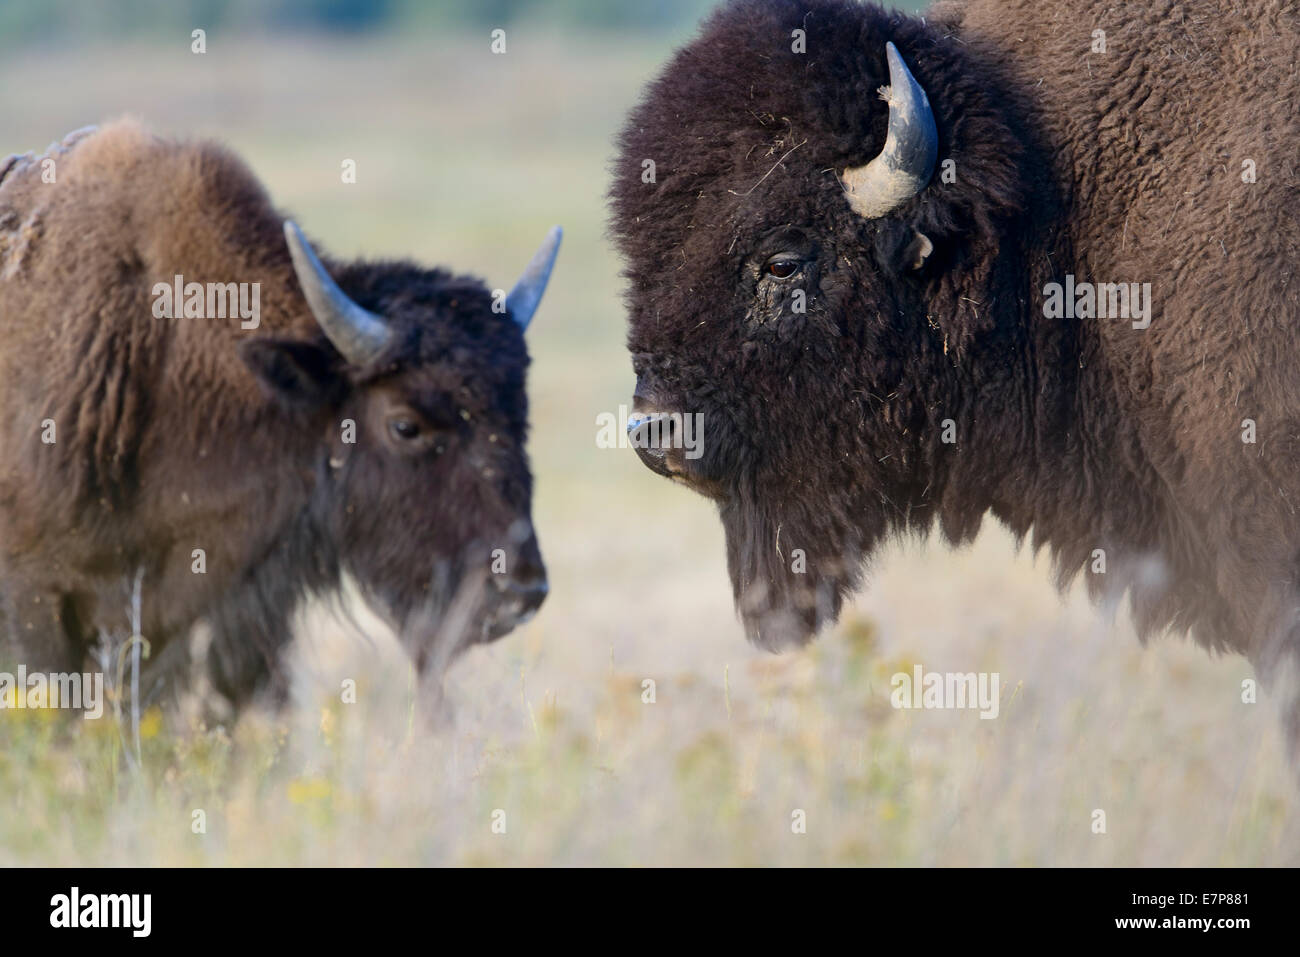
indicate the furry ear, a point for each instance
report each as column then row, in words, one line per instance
column 296, row 373
column 902, row 248
column 917, row 251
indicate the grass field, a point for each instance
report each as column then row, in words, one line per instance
column 465, row 159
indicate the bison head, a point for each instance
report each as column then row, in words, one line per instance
column 414, row 387
column 801, row 285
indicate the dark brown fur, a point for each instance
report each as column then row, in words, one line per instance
column 180, row 434
column 822, row 431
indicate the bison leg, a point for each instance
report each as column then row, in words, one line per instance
column 41, row 630
column 1277, row 666
column 1288, row 685
column 244, row 660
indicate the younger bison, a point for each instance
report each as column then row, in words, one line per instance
column 1033, row 258
column 194, row 401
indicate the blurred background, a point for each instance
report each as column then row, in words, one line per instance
column 465, row 158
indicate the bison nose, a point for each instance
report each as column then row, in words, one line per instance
column 522, row 592
column 651, row 435
column 525, row 597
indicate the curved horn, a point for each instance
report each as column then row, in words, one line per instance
column 905, row 165
column 358, row 334
column 527, row 294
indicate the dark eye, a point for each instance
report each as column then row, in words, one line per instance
column 404, row 429
column 782, row 268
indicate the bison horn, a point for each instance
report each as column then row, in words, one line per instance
column 527, row 294
column 358, row 334
column 905, row 165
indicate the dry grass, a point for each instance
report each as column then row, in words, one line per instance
column 464, row 159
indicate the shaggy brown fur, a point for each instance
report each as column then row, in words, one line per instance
column 823, row 431
column 179, row 434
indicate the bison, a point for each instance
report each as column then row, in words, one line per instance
column 219, row 458
column 849, row 236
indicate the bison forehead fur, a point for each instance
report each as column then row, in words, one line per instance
column 826, row 429
column 133, row 440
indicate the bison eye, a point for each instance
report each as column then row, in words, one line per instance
column 782, row 268
column 404, row 429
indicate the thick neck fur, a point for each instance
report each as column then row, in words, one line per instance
column 1032, row 398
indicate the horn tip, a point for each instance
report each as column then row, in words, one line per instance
column 527, row 294
column 293, row 236
column 893, row 57
column 897, row 65
column 550, row 249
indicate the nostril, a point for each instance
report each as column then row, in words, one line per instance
column 527, row 595
column 652, row 436
column 635, row 421
column 650, row 432
column 534, row 594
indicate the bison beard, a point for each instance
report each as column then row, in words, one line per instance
column 791, row 567
column 373, row 424
column 922, row 385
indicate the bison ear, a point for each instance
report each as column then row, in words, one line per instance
column 917, row 251
column 297, row 373
column 903, row 249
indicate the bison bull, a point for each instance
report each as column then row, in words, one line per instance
column 237, row 452
column 847, row 232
